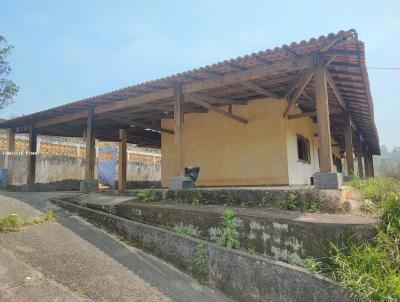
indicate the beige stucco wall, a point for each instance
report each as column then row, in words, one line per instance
column 263, row 152
column 229, row 152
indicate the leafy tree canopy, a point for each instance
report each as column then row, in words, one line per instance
column 8, row 89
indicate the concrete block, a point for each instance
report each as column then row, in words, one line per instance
column 87, row 186
column 328, row 180
column 180, row 182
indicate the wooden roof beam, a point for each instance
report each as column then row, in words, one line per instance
column 340, row 99
column 222, row 101
column 335, row 90
column 131, row 122
column 196, row 86
column 299, row 91
column 62, row 119
column 259, row 89
column 301, row 115
column 198, row 101
column 293, row 85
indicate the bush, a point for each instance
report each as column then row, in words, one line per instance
column 10, row 223
column 288, row 204
column 49, row 216
column 227, row 234
column 146, row 196
column 13, row 222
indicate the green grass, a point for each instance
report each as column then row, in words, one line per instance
column 202, row 262
column 10, row 223
column 188, row 230
column 111, row 209
column 310, row 205
column 371, row 270
column 13, row 222
column 288, row 204
column 146, row 196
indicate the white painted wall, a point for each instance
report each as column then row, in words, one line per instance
column 301, row 172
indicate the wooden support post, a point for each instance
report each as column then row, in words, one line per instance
column 371, row 169
column 366, row 162
column 324, row 132
column 359, row 155
column 90, row 146
column 178, row 130
column 32, row 156
column 122, row 161
column 9, row 158
column 348, row 141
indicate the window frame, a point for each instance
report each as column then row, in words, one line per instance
column 306, row 143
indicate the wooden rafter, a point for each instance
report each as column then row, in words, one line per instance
column 295, row 83
column 259, row 89
column 335, row 90
column 301, row 115
column 192, row 87
column 199, row 101
column 299, row 91
column 340, row 99
column 121, row 120
column 222, row 101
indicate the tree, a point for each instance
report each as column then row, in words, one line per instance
column 8, row 89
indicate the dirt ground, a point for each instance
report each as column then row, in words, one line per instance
column 71, row 260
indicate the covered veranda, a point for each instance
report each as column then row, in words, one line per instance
column 325, row 77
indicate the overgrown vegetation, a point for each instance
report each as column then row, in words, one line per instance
column 188, row 230
column 308, row 205
column 371, row 270
column 289, row 203
column 111, row 209
column 227, row 234
column 146, row 196
column 13, row 222
column 196, row 201
column 202, row 262
column 83, row 203
column 229, row 200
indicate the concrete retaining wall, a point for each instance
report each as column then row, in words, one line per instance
column 242, row 276
column 287, row 236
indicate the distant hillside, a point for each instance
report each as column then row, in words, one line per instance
column 388, row 164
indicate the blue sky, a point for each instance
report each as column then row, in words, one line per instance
column 68, row 50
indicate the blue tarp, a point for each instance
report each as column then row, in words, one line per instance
column 106, row 167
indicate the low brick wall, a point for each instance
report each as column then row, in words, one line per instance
column 242, row 276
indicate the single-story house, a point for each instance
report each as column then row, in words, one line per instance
column 283, row 116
